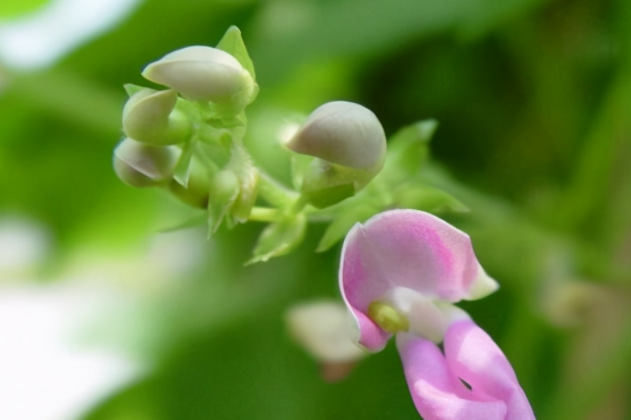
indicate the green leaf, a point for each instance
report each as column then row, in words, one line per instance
column 433, row 200
column 233, row 44
column 408, row 149
column 9, row 8
column 343, row 223
column 279, row 238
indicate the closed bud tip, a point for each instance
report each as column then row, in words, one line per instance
column 141, row 165
column 152, row 117
column 343, row 133
column 203, row 73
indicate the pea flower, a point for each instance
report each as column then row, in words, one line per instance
column 401, row 272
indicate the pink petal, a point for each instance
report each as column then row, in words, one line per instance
column 437, row 393
column 473, row 356
column 404, row 248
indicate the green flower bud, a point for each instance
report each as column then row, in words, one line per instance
column 152, row 117
column 196, row 192
column 343, row 133
column 349, row 149
column 204, row 74
column 224, row 190
column 141, row 165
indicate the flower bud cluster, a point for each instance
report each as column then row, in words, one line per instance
column 188, row 139
column 185, row 137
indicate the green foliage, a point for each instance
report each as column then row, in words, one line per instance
column 10, row 9
column 279, row 238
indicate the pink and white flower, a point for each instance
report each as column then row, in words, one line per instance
column 401, row 272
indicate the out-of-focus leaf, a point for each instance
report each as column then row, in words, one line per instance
column 199, row 220
column 421, row 197
column 12, row 8
column 368, row 27
column 344, row 222
column 279, row 238
column 407, row 151
column 409, row 146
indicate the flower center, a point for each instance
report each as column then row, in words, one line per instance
column 387, row 317
column 403, row 309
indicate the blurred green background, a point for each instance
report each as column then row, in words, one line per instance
column 533, row 98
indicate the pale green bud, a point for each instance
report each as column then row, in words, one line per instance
column 343, row 133
column 224, row 187
column 152, row 117
column 196, row 192
column 142, row 165
column 325, row 329
column 204, row 74
column 349, row 147
column 248, row 190
column 224, row 190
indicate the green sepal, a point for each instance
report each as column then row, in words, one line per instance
column 248, row 176
column 325, row 184
column 182, row 170
column 233, row 44
column 326, row 197
column 223, row 192
column 248, row 191
column 132, row 89
column 344, row 222
column 279, row 238
column 299, row 165
column 430, row 199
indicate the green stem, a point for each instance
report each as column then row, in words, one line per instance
column 264, row 214
column 274, row 192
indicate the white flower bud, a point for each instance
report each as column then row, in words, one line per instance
column 141, row 165
column 344, row 133
column 203, row 74
column 325, row 330
column 151, row 117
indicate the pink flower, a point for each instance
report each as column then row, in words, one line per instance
column 401, row 272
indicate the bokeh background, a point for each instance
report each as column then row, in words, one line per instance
column 102, row 317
